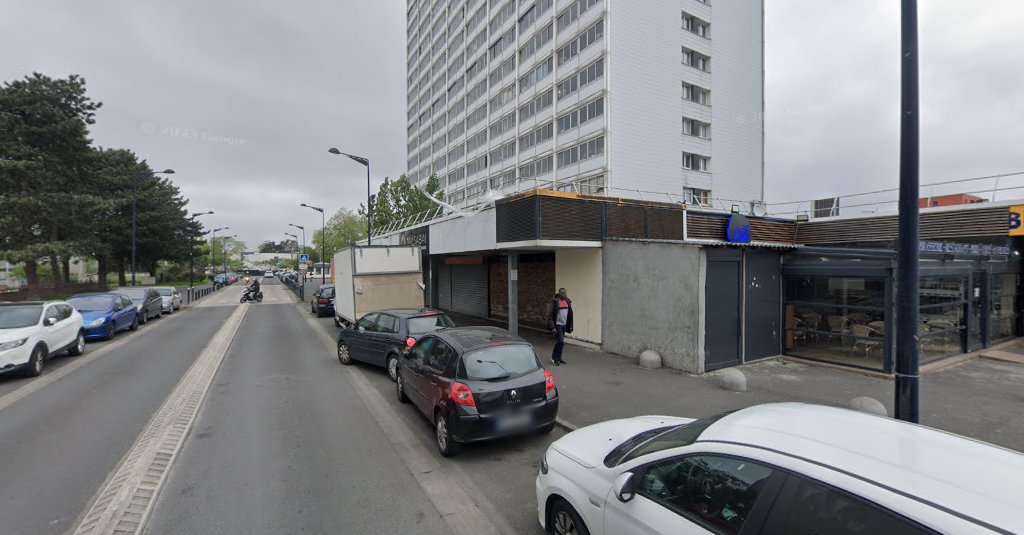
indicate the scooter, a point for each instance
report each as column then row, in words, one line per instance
column 248, row 296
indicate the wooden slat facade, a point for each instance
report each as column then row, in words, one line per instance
column 979, row 223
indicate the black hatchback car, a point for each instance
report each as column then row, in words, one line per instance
column 322, row 302
column 148, row 303
column 379, row 338
column 477, row 383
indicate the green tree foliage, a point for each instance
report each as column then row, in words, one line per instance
column 396, row 200
column 284, row 246
column 343, row 228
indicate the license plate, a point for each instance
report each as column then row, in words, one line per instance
column 513, row 421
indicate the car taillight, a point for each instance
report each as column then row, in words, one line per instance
column 409, row 342
column 323, row 300
column 462, row 395
column 549, row 382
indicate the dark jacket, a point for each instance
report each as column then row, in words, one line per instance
column 553, row 314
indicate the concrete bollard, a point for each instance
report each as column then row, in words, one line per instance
column 732, row 380
column 868, row 405
column 650, row 359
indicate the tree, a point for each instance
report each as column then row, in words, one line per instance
column 344, row 228
column 284, row 246
column 399, row 199
column 44, row 152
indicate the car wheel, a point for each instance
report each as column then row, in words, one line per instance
column 393, row 366
column 144, row 319
column 546, row 429
column 446, row 443
column 400, row 390
column 134, row 326
column 344, row 356
column 79, row 346
column 35, row 362
column 336, row 322
column 565, row 520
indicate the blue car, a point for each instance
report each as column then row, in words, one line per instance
column 105, row 314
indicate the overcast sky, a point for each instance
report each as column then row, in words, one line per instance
column 244, row 97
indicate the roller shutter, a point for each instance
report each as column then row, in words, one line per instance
column 469, row 289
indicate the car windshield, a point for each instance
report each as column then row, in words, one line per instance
column 18, row 316
column 659, row 439
column 136, row 294
column 168, row 292
column 90, row 304
column 426, row 324
column 500, row 362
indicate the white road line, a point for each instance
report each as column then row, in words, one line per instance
column 123, row 504
column 53, row 376
column 457, row 509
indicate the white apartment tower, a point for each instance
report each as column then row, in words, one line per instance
column 617, row 97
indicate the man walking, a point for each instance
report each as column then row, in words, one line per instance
column 560, row 322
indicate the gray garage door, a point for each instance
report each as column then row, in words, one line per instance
column 469, row 289
column 444, row 287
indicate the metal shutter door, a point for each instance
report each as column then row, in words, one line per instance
column 444, row 287
column 469, row 289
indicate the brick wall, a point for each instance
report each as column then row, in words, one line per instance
column 536, row 286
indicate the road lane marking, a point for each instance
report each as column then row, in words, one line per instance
column 125, row 501
column 450, row 499
column 53, row 376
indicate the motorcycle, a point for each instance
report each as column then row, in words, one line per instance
column 248, row 296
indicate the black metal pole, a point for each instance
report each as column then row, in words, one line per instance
column 907, row 283
column 213, row 258
column 369, row 208
column 134, row 195
column 323, row 248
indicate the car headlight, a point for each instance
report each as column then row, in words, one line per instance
column 13, row 344
column 544, row 463
column 96, row 322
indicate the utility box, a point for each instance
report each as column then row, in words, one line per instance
column 368, row 278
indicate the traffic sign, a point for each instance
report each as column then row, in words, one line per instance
column 303, row 266
column 304, row 258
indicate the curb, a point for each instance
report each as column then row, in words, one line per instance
column 565, row 425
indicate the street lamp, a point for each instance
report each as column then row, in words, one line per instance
column 323, row 241
column 296, row 246
column 369, row 207
column 303, row 229
column 191, row 256
column 135, row 194
column 213, row 259
column 225, row 254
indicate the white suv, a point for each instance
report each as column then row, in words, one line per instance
column 777, row 468
column 31, row 332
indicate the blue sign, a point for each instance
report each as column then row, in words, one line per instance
column 304, row 258
column 738, row 229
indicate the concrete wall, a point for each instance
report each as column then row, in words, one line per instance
column 654, row 299
column 579, row 272
column 472, row 233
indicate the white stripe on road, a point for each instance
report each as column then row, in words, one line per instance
column 123, row 504
column 457, row 509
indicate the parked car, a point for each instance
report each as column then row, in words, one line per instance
column 32, row 332
column 170, row 297
column 379, row 338
column 148, row 303
column 777, row 468
column 322, row 302
column 105, row 314
column 477, row 383
column 268, row 275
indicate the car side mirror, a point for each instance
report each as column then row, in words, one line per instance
column 50, row 322
column 625, row 487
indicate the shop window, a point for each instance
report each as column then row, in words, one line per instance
column 942, row 323
column 1002, row 306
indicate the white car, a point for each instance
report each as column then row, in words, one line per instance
column 268, row 275
column 777, row 468
column 31, row 332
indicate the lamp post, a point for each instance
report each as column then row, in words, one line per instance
column 213, row 259
column 323, row 241
column 303, row 229
column 296, row 247
column 191, row 256
column 369, row 207
column 135, row 194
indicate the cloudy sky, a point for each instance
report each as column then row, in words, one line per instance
column 243, row 97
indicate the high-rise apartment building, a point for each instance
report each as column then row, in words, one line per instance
column 615, row 97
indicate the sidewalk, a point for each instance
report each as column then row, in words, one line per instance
column 980, row 398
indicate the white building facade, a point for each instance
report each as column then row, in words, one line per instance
column 661, row 98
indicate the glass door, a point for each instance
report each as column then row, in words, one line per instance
column 976, row 339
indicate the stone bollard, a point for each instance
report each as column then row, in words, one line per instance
column 732, row 380
column 650, row 359
column 868, row 405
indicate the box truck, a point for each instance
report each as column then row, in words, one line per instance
column 376, row 277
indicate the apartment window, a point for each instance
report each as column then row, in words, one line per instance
column 438, row 105
column 439, row 45
column 477, row 165
column 500, row 72
column 438, row 65
column 476, row 44
column 456, row 40
column 538, row 167
column 456, row 131
column 587, row 186
column 456, row 175
column 581, row 78
column 699, row 197
column 438, row 164
column 476, row 140
column 456, row 110
column 438, row 126
column 696, row 60
column 536, row 136
column 456, row 153
column 539, row 103
column 476, row 116
column 502, row 179
column 456, row 87
column 504, row 97
column 583, row 151
column 540, row 39
column 535, row 75
column 503, row 125
column 695, row 128
column 455, row 24
column 581, row 115
column 694, row 25
column 476, row 19
column 439, row 144
column 696, row 94
column 503, row 43
column 457, row 196
column 594, row 33
column 502, row 153
column 587, row 4
column 413, row 161
column 439, row 86
column 696, row 162
column 506, row 12
column 539, row 8
column 476, row 68
column 412, row 127
column 568, row 16
column 476, row 92
column 424, row 154
column 456, row 66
